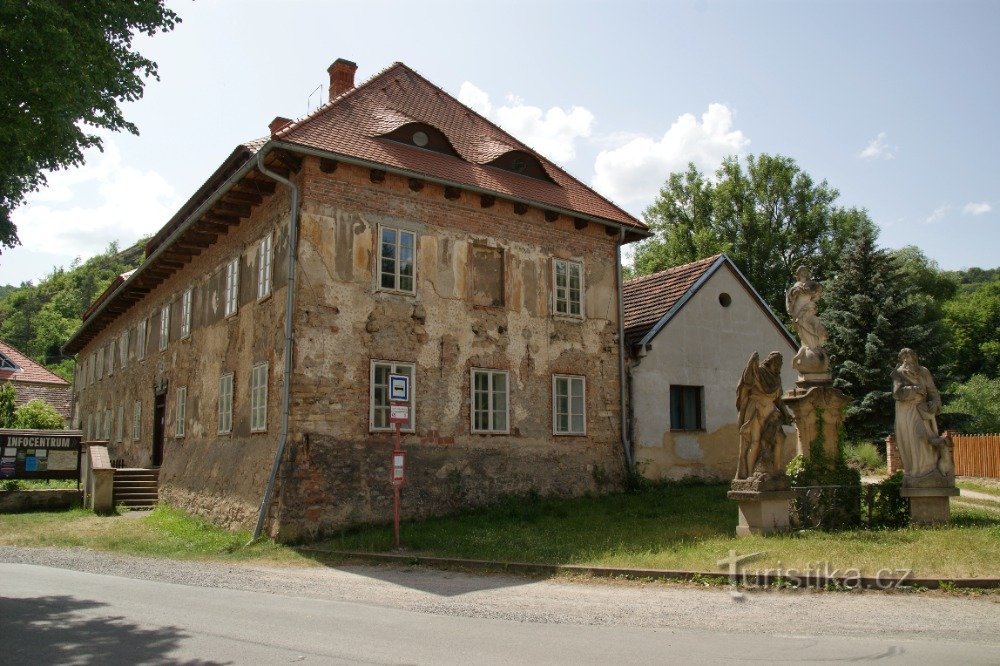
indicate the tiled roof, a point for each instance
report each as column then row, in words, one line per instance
column 352, row 124
column 649, row 297
column 29, row 370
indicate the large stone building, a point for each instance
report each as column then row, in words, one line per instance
column 411, row 236
column 690, row 331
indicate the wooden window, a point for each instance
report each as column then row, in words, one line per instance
column 686, row 407
column 490, row 401
column 378, row 397
column 258, row 398
column 111, row 358
column 264, row 253
column 397, row 266
column 136, row 420
column 107, row 425
column 120, row 424
column 100, row 364
column 164, row 326
column 123, row 348
column 569, row 408
column 226, row 403
column 180, row 411
column 140, row 340
column 567, row 281
column 232, row 300
column 186, row 313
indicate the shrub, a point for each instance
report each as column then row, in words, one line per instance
column 38, row 414
column 864, row 456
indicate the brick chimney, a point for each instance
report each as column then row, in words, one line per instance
column 277, row 124
column 341, row 77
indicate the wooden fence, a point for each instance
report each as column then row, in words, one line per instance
column 977, row 455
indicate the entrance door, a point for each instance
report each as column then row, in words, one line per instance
column 159, row 421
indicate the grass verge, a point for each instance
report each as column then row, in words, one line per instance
column 979, row 487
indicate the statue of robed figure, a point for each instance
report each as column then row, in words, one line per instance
column 924, row 452
column 762, row 415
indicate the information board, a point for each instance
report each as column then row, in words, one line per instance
column 40, row 454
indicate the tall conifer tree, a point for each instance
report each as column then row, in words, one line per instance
column 870, row 313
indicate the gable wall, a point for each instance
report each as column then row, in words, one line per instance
column 705, row 345
column 337, row 471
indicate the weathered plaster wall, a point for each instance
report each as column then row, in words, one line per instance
column 336, row 472
column 707, row 345
column 221, row 476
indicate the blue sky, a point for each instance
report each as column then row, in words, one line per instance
column 895, row 104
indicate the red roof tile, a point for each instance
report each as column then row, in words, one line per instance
column 353, row 124
column 29, row 370
column 649, row 297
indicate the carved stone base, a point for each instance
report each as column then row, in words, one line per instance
column 807, row 404
column 930, row 506
column 762, row 512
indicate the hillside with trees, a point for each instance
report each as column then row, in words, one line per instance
column 39, row 318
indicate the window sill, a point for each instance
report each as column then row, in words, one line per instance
column 568, row 317
column 488, row 433
column 265, row 297
column 389, row 431
column 569, row 434
column 396, row 292
column 688, row 430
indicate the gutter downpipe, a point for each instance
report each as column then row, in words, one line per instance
column 626, row 443
column 286, row 388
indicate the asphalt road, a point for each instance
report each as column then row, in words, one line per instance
column 54, row 615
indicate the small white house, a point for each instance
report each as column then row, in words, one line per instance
column 690, row 330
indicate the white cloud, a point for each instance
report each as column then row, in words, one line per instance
column 878, row 148
column 974, row 208
column 84, row 208
column 552, row 133
column 637, row 169
column 938, row 214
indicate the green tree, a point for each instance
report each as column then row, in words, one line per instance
column 978, row 401
column 65, row 66
column 871, row 313
column 768, row 216
column 973, row 321
column 7, row 405
column 39, row 415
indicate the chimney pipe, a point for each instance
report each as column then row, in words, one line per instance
column 341, row 77
column 277, row 124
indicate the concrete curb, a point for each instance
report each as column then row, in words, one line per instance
column 808, row 580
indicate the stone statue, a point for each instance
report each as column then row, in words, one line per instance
column 800, row 301
column 926, row 455
column 762, row 413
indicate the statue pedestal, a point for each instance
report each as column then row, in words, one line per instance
column 930, row 506
column 810, row 403
column 763, row 504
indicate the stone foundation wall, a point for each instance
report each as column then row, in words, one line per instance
column 18, row 501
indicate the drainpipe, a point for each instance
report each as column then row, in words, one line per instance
column 286, row 388
column 626, row 443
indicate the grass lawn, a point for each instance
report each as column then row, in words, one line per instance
column 685, row 527
column 979, row 487
column 667, row 527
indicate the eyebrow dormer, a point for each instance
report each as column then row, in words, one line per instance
column 521, row 162
column 422, row 135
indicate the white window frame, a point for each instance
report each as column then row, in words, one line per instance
column 186, row 313
column 232, row 292
column 136, row 420
column 492, row 373
column 396, row 276
column 140, row 339
column 164, row 326
column 180, row 412
column 258, row 398
column 569, row 380
column 565, row 298
column 226, row 403
column 120, row 424
column 265, row 254
column 123, row 348
column 394, row 367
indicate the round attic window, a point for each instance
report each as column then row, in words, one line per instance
column 420, row 138
column 725, row 299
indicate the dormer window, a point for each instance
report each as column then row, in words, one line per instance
column 7, row 364
column 521, row 162
column 423, row 136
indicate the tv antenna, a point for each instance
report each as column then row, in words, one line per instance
column 319, row 89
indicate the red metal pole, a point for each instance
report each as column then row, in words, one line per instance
column 395, row 492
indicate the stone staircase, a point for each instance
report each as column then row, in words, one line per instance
column 136, row 489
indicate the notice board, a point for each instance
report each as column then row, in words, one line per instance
column 40, row 454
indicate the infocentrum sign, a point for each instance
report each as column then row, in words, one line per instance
column 40, row 454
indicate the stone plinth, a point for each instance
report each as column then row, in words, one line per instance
column 930, row 506
column 762, row 513
column 763, row 504
column 807, row 402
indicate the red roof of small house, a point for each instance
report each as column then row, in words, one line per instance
column 651, row 301
column 28, row 370
column 355, row 124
